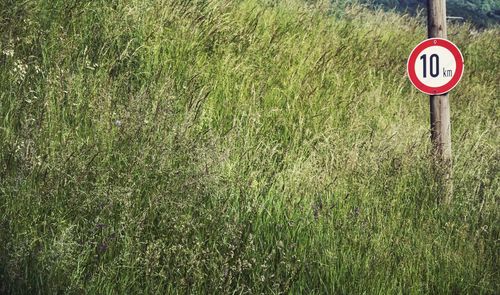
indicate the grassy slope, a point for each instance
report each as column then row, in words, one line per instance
column 240, row 146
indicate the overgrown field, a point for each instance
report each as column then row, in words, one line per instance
column 238, row 146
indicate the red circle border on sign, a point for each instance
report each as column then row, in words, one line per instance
column 458, row 71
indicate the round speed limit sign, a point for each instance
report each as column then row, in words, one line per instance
column 435, row 66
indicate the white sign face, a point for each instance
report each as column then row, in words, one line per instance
column 435, row 66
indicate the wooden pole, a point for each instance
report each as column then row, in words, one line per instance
column 439, row 104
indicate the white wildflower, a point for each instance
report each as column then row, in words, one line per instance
column 8, row 52
column 20, row 69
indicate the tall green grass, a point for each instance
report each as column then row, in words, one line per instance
column 248, row 146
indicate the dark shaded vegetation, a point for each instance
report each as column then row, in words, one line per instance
column 482, row 13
